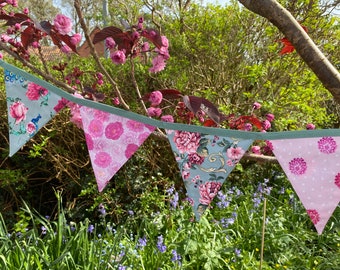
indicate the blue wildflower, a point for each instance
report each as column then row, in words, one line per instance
column 90, row 229
column 176, row 257
column 160, row 245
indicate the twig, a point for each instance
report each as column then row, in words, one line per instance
column 263, row 231
column 47, row 77
column 95, row 55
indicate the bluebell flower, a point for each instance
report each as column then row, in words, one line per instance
column 101, row 210
column 130, row 212
column 237, row 252
column 176, row 257
column 160, row 245
column 121, row 267
column 142, row 242
column 90, row 229
column 174, row 201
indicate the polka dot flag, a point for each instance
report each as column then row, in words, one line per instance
column 313, row 167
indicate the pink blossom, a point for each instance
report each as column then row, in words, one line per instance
column 62, row 24
column 230, row 163
column 186, row 142
column 115, row 101
column 314, row 215
column 256, row 106
column 145, row 47
column 18, row 111
column 247, row 127
column 208, row 191
column 270, row 117
column 35, row 44
column 102, row 159
column 158, row 64
column 114, row 130
column 130, row 150
column 156, row 98
column 1, row 56
column 30, row 128
column 256, row 150
column 118, row 57
column 35, row 91
column 75, row 39
column 110, row 43
column 327, row 145
column 298, row 166
column 167, row 118
column 134, row 126
column 310, row 126
column 5, row 38
column 235, row 153
column 96, row 128
column 266, row 125
column 26, row 10
column 154, row 112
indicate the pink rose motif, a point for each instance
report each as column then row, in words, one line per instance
column 130, row 150
column 89, row 141
column 30, row 128
column 18, row 111
column 314, row 215
column 35, row 91
column 142, row 137
column 337, row 180
column 135, row 126
column 101, row 115
column 185, row 174
column 102, row 159
column 195, row 158
column 62, row 24
column 235, row 153
column 327, row 145
column 186, row 142
column 298, row 166
column 114, row 130
column 208, row 191
column 61, row 104
column 95, row 128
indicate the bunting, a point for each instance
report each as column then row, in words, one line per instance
column 313, row 167
column 111, row 140
column 29, row 108
column 205, row 161
column 205, row 155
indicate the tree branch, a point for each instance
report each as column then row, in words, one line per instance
column 305, row 47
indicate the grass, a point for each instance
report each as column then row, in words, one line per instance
column 228, row 236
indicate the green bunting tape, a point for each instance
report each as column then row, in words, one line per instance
column 174, row 126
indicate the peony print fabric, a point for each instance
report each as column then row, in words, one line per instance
column 111, row 141
column 205, row 161
column 313, row 167
column 29, row 107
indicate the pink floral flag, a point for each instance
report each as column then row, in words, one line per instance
column 29, row 107
column 313, row 167
column 205, row 161
column 111, row 141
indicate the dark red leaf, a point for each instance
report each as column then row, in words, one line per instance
column 209, row 123
column 21, row 18
column 27, row 36
column 196, row 104
column 45, row 26
column 106, row 32
column 153, row 36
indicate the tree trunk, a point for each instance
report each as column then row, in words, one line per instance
column 305, row 47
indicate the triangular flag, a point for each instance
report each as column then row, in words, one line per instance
column 29, row 107
column 205, row 161
column 111, row 140
column 313, row 167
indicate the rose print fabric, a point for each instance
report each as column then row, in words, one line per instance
column 313, row 167
column 29, row 107
column 205, row 161
column 111, row 141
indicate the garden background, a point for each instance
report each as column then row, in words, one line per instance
column 53, row 216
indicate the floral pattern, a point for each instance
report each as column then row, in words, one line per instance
column 30, row 107
column 298, row 166
column 327, row 145
column 313, row 167
column 205, row 161
column 111, row 140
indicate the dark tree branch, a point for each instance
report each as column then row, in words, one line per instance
column 305, row 47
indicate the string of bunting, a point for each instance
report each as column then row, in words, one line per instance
column 205, row 155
